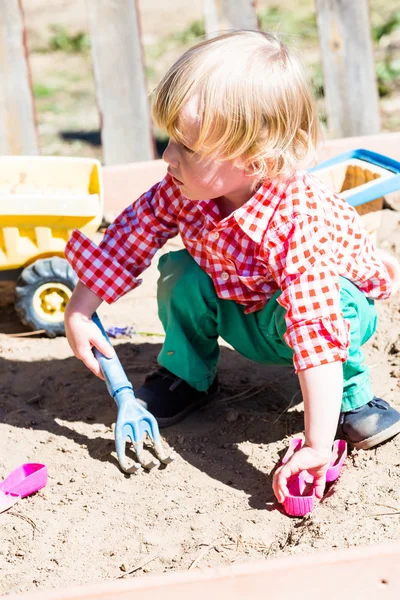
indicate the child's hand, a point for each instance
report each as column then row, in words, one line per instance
column 83, row 335
column 314, row 461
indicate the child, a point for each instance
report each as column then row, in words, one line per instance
column 275, row 263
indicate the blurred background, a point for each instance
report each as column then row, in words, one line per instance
column 58, row 42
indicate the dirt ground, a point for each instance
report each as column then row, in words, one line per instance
column 214, row 505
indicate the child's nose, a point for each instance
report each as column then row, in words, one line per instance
column 170, row 155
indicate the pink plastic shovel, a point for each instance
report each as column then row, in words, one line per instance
column 301, row 499
column 23, row 481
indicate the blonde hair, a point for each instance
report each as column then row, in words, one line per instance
column 255, row 105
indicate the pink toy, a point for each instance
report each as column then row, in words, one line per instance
column 339, row 455
column 23, row 481
column 301, row 499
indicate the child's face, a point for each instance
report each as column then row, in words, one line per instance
column 204, row 178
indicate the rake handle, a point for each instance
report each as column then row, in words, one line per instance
column 111, row 368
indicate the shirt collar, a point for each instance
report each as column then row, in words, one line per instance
column 209, row 210
column 254, row 216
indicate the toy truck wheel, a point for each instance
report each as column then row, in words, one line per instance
column 42, row 292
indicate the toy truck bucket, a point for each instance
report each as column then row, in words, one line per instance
column 41, row 200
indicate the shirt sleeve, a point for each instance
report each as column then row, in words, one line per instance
column 302, row 264
column 112, row 269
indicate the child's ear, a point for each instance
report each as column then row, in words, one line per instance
column 247, row 168
column 251, row 170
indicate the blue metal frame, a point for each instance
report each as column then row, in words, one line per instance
column 377, row 188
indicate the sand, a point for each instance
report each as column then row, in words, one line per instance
column 214, row 505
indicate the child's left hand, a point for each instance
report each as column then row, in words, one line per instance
column 314, row 461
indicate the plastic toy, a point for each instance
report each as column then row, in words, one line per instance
column 301, row 499
column 363, row 178
column 41, row 200
column 133, row 421
column 23, row 481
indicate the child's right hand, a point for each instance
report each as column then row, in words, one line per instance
column 82, row 334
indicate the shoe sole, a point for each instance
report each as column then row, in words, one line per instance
column 379, row 438
column 164, row 422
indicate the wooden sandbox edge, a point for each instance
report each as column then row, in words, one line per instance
column 369, row 573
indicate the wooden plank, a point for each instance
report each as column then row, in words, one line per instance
column 240, row 14
column 211, row 17
column 120, row 81
column 18, row 133
column 224, row 15
column 123, row 184
column 368, row 573
column 383, row 143
column 351, row 93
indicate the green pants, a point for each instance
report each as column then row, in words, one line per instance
column 194, row 317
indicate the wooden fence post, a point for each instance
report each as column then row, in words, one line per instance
column 120, row 81
column 211, row 17
column 222, row 15
column 351, row 93
column 18, row 133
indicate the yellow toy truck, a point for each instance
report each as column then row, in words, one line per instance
column 41, row 200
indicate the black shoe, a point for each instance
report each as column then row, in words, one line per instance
column 371, row 424
column 169, row 398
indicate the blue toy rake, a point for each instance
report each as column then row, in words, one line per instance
column 133, row 421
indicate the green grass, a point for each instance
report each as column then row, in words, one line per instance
column 41, row 90
column 186, row 37
column 50, row 107
column 71, row 76
column 388, row 76
column 301, row 25
column 62, row 40
column 381, row 28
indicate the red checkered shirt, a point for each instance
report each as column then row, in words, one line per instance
column 296, row 236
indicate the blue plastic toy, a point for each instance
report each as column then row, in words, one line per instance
column 386, row 184
column 133, row 421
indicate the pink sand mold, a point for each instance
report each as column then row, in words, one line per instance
column 339, row 455
column 23, row 481
column 301, row 499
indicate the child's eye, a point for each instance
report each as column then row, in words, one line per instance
column 186, row 149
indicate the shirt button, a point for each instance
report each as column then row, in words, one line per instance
column 224, row 276
column 215, row 235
